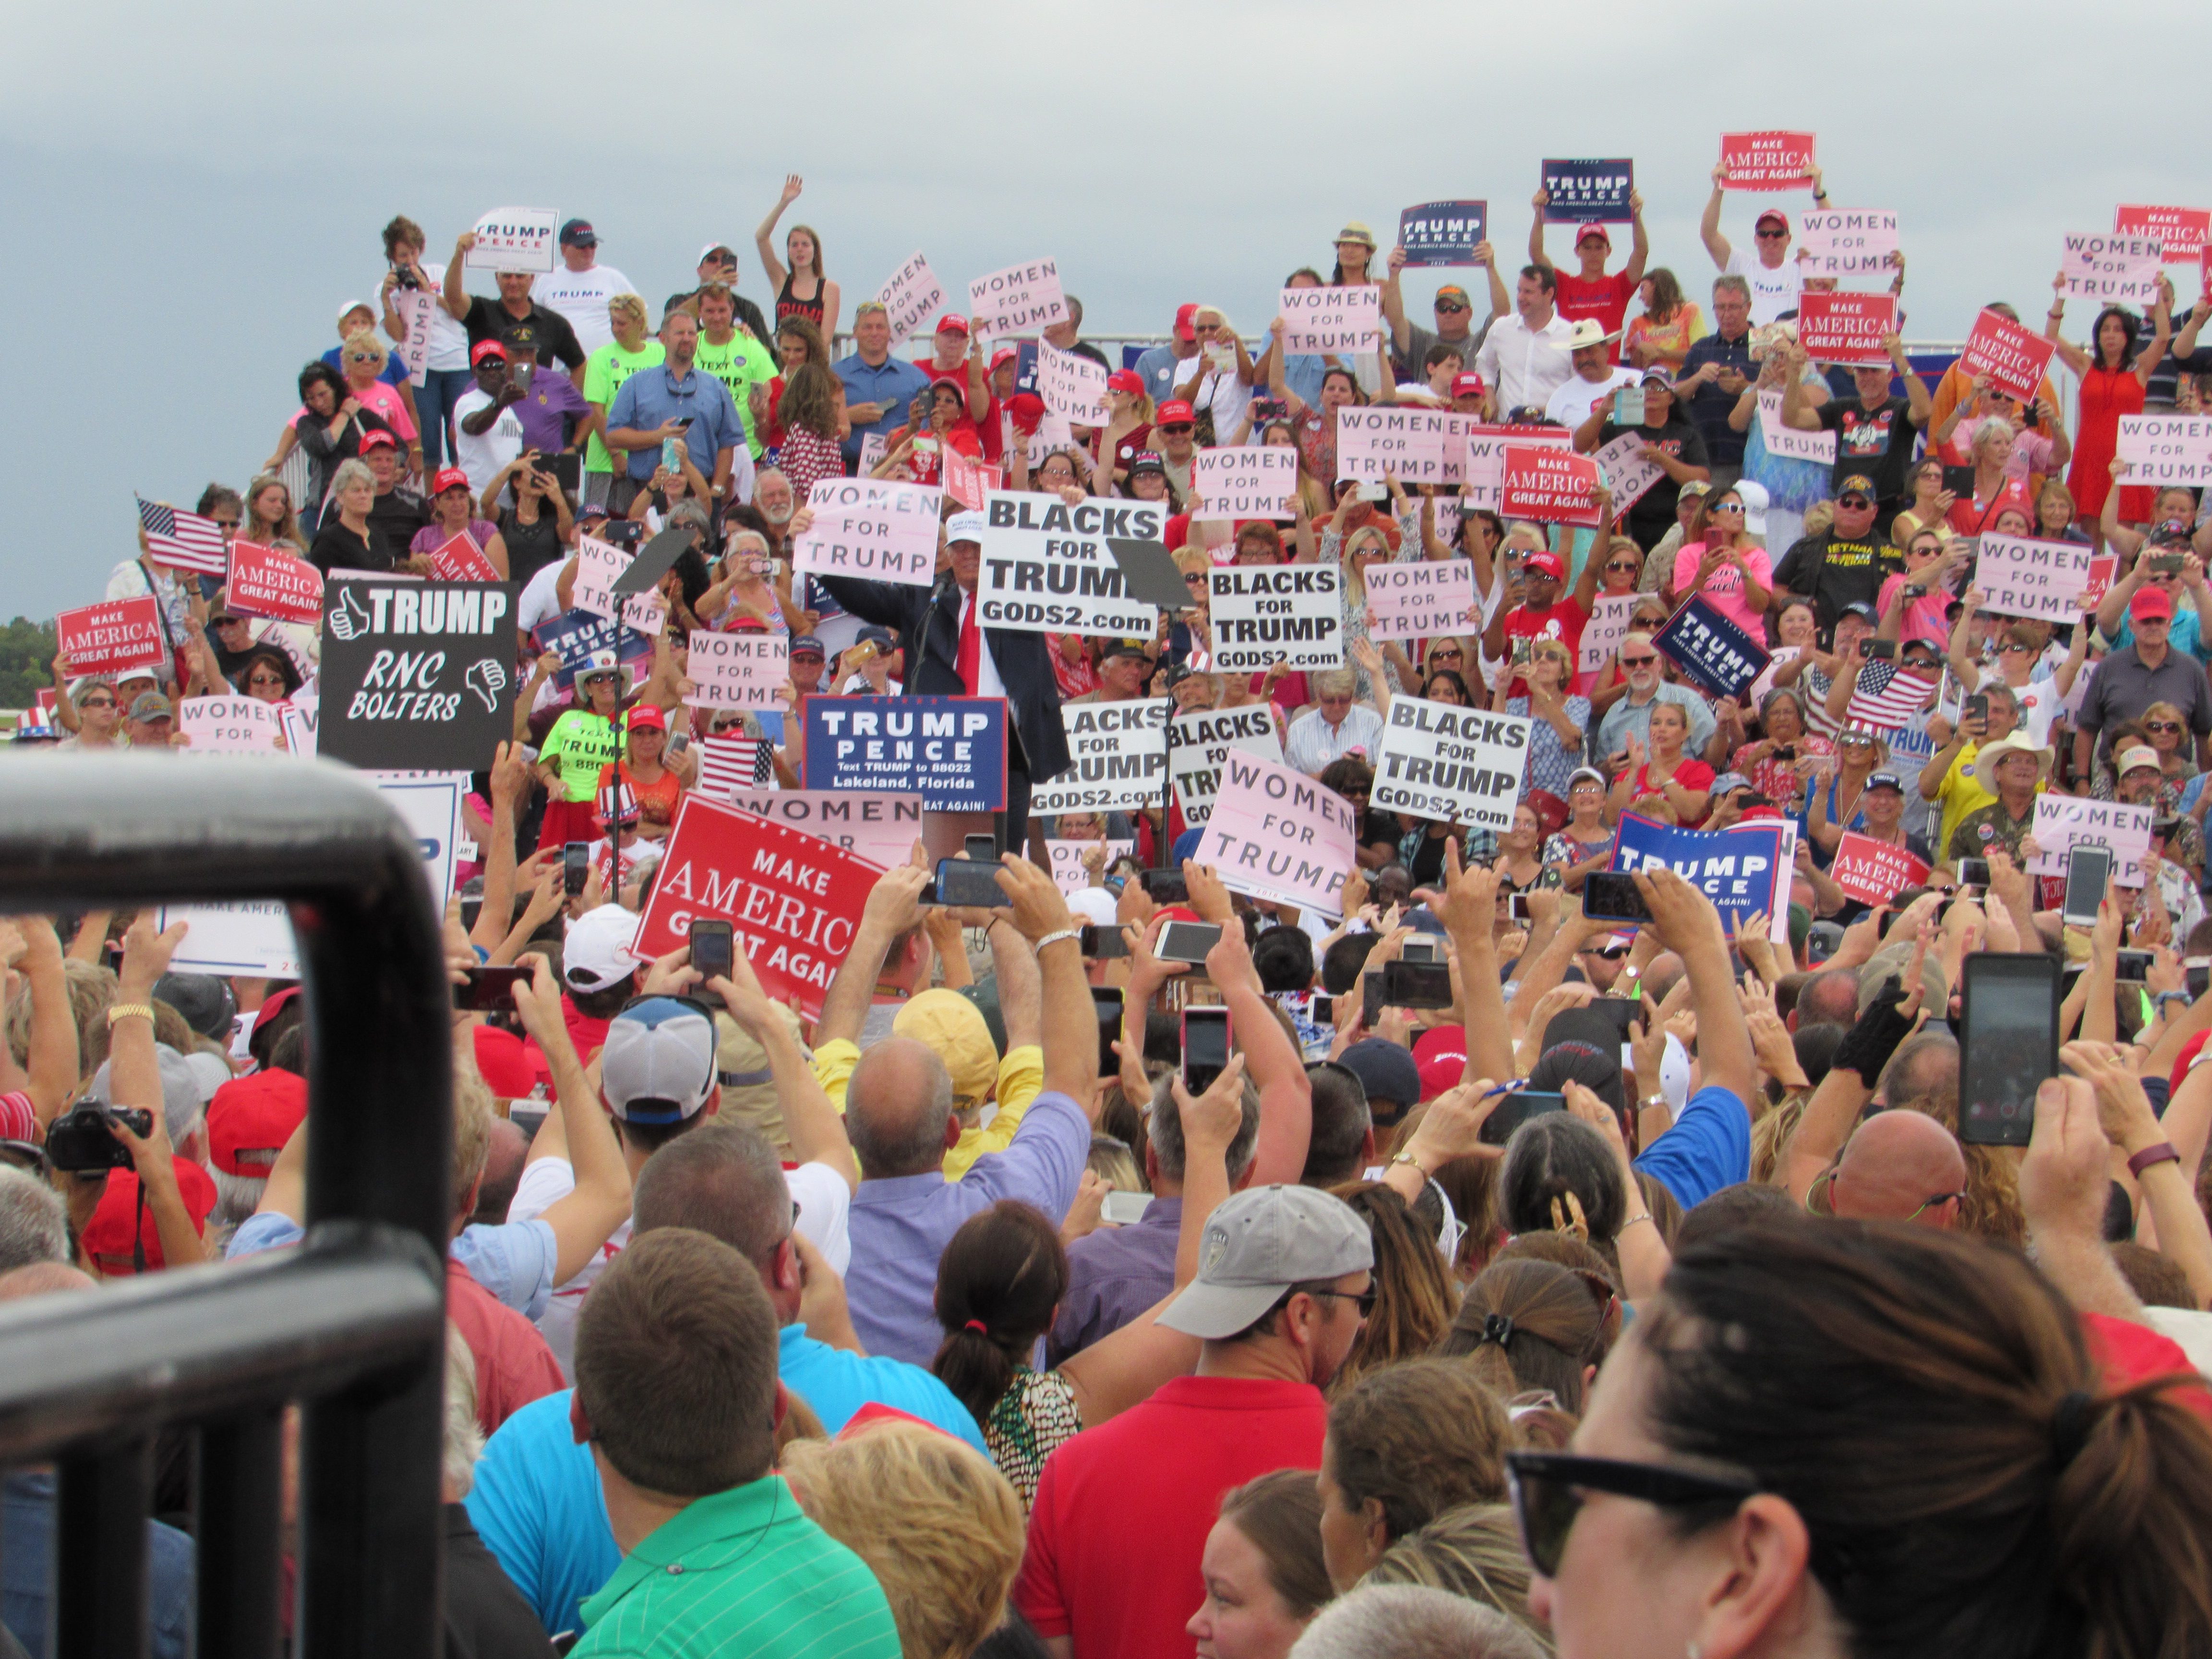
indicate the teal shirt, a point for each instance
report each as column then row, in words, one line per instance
column 743, row 1573
column 2183, row 634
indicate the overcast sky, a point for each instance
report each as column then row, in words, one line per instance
column 195, row 191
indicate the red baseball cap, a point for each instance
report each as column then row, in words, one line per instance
column 2151, row 602
column 119, row 1225
column 1775, row 214
column 1589, row 231
column 1027, row 410
column 1546, row 564
column 648, row 715
column 1125, row 379
column 451, row 478
column 483, row 349
column 379, row 439
column 1173, row 410
column 1469, row 385
column 503, row 1063
column 951, row 323
column 1186, row 322
column 1004, row 355
column 276, row 1005
column 1440, row 1056
column 255, row 1114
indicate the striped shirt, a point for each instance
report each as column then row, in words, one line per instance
column 744, row 1573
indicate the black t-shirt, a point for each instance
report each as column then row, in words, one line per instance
column 337, row 547
column 1837, row 571
column 488, row 319
column 1875, row 442
column 397, row 514
column 530, row 547
column 1649, row 520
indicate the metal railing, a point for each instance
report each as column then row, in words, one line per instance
column 351, row 1324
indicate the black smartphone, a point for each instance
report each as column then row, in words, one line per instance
column 1187, row 941
column 1205, row 1047
column 983, row 850
column 2198, row 970
column 1166, row 887
column 2029, row 415
column 1974, row 873
column 2007, row 1044
column 1270, row 409
column 2088, row 876
column 1516, row 908
column 1320, row 1008
column 567, row 470
column 1370, row 1001
column 490, row 990
column 2132, row 965
column 685, row 425
column 1103, row 944
column 1611, row 896
column 2164, row 564
column 714, row 948
column 1515, row 1109
column 1879, row 650
column 623, row 532
column 1621, row 1011
column 575, row 866
column 1976, row 707
column 1106, row 1003
column 964, row 882
column 1959, row 481
column 1416, row 984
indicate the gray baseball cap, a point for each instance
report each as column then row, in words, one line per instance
column 1256, row 1246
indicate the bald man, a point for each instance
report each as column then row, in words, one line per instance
column 1900, row 1166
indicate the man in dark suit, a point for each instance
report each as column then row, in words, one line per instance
column 948, row 655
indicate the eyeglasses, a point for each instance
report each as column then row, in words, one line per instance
column 1548, row 1490
column 266, row 679
column 2161, row 726
column 1363, row 1300
column 1180, row 426
column 1933, row 1202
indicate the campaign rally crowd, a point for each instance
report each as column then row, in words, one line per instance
column 1453, row 1123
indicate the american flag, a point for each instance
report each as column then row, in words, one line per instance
column 183, row 540
column 729, row 764
column 1886, row 697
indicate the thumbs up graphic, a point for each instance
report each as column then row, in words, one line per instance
column 349, row 621
column 487, row 678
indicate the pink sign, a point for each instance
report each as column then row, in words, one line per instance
column 1551, row 486
column 1846, row 328
column 2112, row 269
column 738, row 671
column 1873, row 872
column 1277, row 835
column 461, row 560
column 2180, row 233
column 112, row 637
column 2014, row 359
column 968, row 480
column 267, row 582
column 228, row 725
column 1767, row 160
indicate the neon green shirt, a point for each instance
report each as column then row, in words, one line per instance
column 740, row 363
column 579, row 744
column 604, row 371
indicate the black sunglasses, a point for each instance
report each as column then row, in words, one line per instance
column 1549, row 1488
column 1363, row 1300
column 1610, row 952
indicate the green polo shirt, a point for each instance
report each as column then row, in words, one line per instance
column 740, row 363
column 743, row 1573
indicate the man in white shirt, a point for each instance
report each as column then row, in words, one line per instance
column 1336, row 726
column 580, row 292
column 1591, row 349
column 1525, row 357
column 1776, row 279
column 486, row 432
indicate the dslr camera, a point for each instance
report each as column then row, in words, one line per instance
column 78, row 1140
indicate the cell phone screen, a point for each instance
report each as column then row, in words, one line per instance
column 2089, row 875
column 1611, row 896
column 1205, row 1047
column 2131, row 965
column 1974, row 873
column 1321, row 1011
column 1416, row 984
column 1515, row 1109
column 964, row 882
column 1187, row 941
column 1106, row 1003
column 2010, row 1044
column 2198, row 970
column 1102, row 943
column 1166, row 886
column 714, row 949
column 575, row 866
column 1620, row 1009
column 1370, row 1001
column 1421, row 950
column 489, row 989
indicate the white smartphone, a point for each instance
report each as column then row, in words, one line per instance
column 1125, row 1209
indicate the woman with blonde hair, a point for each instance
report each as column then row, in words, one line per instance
column 939, row 1527
column 270, row 520
column 1473, row 1551
column 818, row 305
column 1413, row 1294
column 361, row 360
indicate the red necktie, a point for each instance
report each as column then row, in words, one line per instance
column 969, row 656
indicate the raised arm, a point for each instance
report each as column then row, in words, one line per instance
column 771, row 266
column 136, row 1081
column 586, row 1217
column 1037, row 907
column 1709, row 226
column 1688, row 925
column 453, row 295
column 893, row 907
column 55, row 1064
column 1276, row 1067
column 1469, row 912
column 815, row 1128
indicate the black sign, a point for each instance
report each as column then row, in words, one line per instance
column 1588, row 192
column 1442, row 233
column 417, row 675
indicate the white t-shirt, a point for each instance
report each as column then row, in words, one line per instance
column 1572, row 404
column 483, row 456
column 824, row 1202
column 1772, row 291
column 1227, row 397
column 539, row 602
column 581, row 296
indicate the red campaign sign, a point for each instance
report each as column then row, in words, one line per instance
column 2103, row 571
column 112, row 637
column 265, row 582
column 461, row 560
column 2181, row 232
column 2015, row 360
column 1551, row 486
column 1846, row 328
column 793, row 899
column 1767, row 160
column 967, row 480
column 1873, row 872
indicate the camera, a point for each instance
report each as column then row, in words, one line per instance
column 79, row 1141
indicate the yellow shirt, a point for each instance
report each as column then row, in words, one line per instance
column 1961, row 793
column 1021, row 1080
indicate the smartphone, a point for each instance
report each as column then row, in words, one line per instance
column 924, row 445
column 1103, row 943
column 1374, row 492
column 2132, row 965
column 1516, row 907
column 1421, row 950
column 1106, row 1003
column 1976, row 707
column 1166, row 887
column 1320, row 1009
column 1416, row 984
column 1974, row 873
column 1611, row 896
column 1515, row 1109
column 1270, row 409
column 714, row 948
column 1205, row 1047
column 2007, row 1044
column 685, row 425
column 1187, row 941
column 965, row 882
column 1370, row 1001
column 1123, row 1209
column 575, row 866
column 1628, row 406
column 490, row 990
column 1879, row 650
column 2199, row 972
column 624, row 532
column 2166, row 564
column 2089, row 875
column 567, row 470
column 983, row 849
column 1620, row 1009
column 672, row 455
column 1959, row 481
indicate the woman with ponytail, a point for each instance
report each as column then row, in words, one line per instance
column 1528, row 1325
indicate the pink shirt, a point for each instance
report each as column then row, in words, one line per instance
column 384, row 398
column 1724, row 589
column 1923, row 616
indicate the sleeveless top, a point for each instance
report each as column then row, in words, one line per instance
column 788, row 304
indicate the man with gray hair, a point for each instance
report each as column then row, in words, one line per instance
column 1631, row 715
column 1412, row 1621
column 1334, row 726
column 1714, row 374
column 32, row 1225
column 878, row 384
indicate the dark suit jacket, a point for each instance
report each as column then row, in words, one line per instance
column 927, row 623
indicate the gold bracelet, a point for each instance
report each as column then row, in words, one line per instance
column 130, row 1011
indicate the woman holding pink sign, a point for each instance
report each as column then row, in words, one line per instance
column 452, row 510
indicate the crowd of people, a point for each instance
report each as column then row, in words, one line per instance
column 1647, row 1296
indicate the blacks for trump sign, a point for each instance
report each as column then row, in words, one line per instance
column 1048, row 567
column 417, row 676
column 1263, row 614
column 1117, row 758
column 1440, row 761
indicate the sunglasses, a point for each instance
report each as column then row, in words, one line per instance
column 1627, row 565
column 2015, row 649
column 1772, row 235
column 1363, row 1300
column 1194, row 578
column 1638, row 662
column 1736, row 508
column 1451, row 650
column 1447, row 307
column 1610, row 952
column 1180, row 426
column 1548, row 1490
column 2161, row 726
column 359, row 357
column 96, row 703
